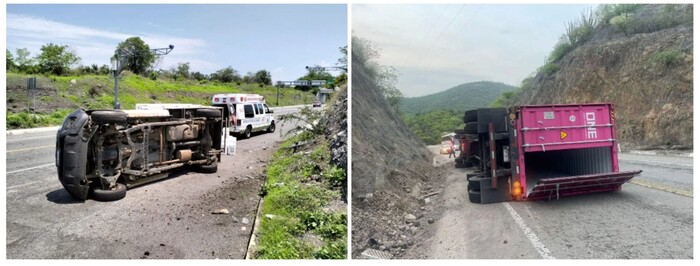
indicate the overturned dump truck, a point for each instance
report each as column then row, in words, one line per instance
column 541, row 152
column 102, row 152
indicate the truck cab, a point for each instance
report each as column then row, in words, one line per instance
column 245, row 113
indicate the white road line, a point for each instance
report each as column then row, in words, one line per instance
column 37, row 137
column 30, row 168
column 653, row 162
column 534, row 240
column 25, row 184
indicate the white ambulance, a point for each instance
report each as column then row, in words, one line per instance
column 245, row 113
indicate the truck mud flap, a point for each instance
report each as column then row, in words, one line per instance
column 554, row 188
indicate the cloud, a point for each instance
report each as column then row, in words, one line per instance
column 96, row 46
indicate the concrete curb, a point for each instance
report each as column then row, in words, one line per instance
column 655, row 152
column 31, row 130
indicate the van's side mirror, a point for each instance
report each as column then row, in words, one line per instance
column 270, row 111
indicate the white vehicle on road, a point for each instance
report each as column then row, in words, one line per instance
column 245, row 113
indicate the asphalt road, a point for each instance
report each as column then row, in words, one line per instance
column 650, row 218
column 171, row 218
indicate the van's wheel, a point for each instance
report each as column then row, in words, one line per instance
column 271, row 128
column 246, row 133
column 474, row 196
column 209, row 168
column 117, row 193
column 108, row 117
column 209, row 113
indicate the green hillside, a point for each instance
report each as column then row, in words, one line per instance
column 58, row 95
column 460, row 98
column 430, row 126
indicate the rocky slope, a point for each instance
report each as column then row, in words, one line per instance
column 648, row 76
column 391, row 172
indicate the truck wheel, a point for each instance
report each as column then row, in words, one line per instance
column 470, row 116
column 471, row 128
column 475, row 182
column 472, row 137
column 246, row 134
column 271, row 128
column 209, row 168
column 108, row 117
column 119, row 192
column 459, row 131
column 474, row 196
column 208, row 113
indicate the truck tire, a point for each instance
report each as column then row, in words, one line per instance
column 471, row 116
column 472, row 137
column 271, row 128
column 208, row 113
column 459, row 131
column 119, row 192
column 209, row 168
column 474, row 196
column 471, row 128
column 475, row 182
column 108, row 117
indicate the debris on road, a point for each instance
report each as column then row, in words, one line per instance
column 222, row 211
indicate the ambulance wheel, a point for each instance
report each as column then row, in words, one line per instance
column 246, row 133
column 271, row 128
column 474, row 196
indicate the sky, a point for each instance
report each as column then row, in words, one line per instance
column 436, row 47
column 283, row 39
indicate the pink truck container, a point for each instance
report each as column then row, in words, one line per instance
column 545, row 152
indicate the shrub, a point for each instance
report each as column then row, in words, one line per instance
column 560, row 50
column 668, row 57
column 549, row 69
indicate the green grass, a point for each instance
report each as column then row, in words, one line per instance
column 96, row 92
column 27, row 120
column 548, row 69
column 297, row 203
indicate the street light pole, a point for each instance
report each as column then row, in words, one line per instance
column 116, row 68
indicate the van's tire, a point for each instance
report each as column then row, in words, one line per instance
column 119, row 192
column 271, row 128
column 209, row 168
column 208, row 113
column 108, row 117
column 474, row 196
column 471, row 116
column 471, row 128
column 246, row 133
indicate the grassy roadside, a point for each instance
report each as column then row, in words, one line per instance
column 57, row 94
column 298, row 217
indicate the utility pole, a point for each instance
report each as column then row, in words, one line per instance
column 118, row 62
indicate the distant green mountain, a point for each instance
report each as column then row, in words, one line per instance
column 460, row 98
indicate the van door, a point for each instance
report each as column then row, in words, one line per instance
column 249, row 118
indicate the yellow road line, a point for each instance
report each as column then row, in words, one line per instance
column 681, row 192
column 33, row 148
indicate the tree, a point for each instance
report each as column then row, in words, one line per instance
column 10, row 60
column 24, row 61
column 343, row 61
column 136, row 55
column 183, row 70
column 315, row 73
column 56, row 59
column 227, row 74
column 198, row 76
column 104, row 70
column 263, row 77
column 249, row 77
